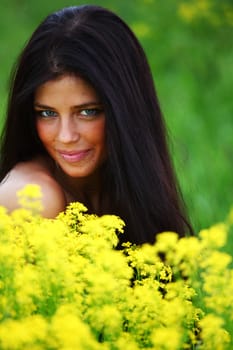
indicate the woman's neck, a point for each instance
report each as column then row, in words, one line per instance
column 88, row 190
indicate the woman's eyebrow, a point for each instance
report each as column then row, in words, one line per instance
column 82, row 105
column 88, row 104
column 39, row 105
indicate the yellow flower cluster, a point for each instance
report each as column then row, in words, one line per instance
column 213, row 11
column 63, row 285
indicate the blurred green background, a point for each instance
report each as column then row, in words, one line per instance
column 190, row 49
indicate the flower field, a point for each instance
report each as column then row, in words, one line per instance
column 63, row 285
column 189, row 48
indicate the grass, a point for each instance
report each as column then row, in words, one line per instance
column 193, row 72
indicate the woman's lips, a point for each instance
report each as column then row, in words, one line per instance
column 74, row 156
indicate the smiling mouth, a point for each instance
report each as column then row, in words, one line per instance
column 73, row 157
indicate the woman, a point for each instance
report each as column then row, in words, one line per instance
column 85, row 124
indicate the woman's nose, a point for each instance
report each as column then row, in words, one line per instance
column 68, row 131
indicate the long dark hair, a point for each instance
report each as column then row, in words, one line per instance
column 95, row 43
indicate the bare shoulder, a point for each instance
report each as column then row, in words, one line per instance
column 33, row 172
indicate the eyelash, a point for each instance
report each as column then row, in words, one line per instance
column 87, row 112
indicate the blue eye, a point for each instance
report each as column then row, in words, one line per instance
column 46, row 113
column 90, row 112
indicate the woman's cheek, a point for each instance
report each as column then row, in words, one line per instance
column 45, row 131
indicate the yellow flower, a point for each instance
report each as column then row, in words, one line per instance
column 67, row 331
column 30, row 198
column 18, row 334
column 213, row 335
column 142, row 29
column 167, row 338
column 187, row 11
column 215, row 236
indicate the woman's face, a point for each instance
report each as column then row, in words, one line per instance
column 70, row 123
